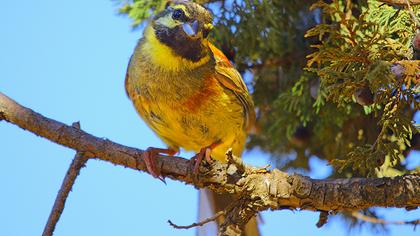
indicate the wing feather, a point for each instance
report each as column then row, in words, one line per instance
column 230, row 78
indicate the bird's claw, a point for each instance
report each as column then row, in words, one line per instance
column 203, row 155
column 149, row 158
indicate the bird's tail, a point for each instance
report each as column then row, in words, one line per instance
column 209, row 204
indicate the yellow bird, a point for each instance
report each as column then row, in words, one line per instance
column 186, row 89
column 189, row 94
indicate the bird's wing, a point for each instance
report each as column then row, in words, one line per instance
column 230, row 78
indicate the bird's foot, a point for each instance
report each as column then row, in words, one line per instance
column 204, row 154
column 149, row 157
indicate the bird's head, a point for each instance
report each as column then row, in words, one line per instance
column 183, row 26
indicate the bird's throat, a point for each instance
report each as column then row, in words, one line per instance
column 166, row 57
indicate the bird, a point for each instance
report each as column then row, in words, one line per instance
column 185, row 88
column 188, row 92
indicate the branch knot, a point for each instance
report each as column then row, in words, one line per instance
column 301, row 185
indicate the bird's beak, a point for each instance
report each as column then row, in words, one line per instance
column 191, row 29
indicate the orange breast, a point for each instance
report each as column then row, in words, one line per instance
column 210, row 89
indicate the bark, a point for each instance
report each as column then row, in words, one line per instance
column 257, row 189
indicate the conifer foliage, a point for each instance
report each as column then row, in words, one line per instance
column 336, row 79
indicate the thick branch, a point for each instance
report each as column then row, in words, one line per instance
column 263, row 189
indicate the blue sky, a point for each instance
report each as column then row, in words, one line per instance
column 67, row 60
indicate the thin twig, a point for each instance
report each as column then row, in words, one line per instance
column 78, row 163
column 375, row 220
column 400, row 3
column 413, row 16
column 201, row 223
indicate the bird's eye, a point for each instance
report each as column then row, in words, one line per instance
column 178, row 14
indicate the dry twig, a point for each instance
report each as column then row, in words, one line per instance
column 201, row 223
column 400, row 3
column 413, row 16
column 375, row 220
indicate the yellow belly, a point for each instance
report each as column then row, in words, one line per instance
column 184, row 104
column 192, row 124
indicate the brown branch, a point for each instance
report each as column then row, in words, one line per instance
column 237, row 215
column 201, row 223
column 259, row 189
column 400, row 3
column 412, row 14
column 375, row 220
column 78, row 163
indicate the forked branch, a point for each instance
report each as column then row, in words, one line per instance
column 258, row 189
column 76, row 165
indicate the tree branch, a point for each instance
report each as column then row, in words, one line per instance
column 237, row 215
column 258, row 189
column 412, row 14
column 60, row 201
column 76, row 165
